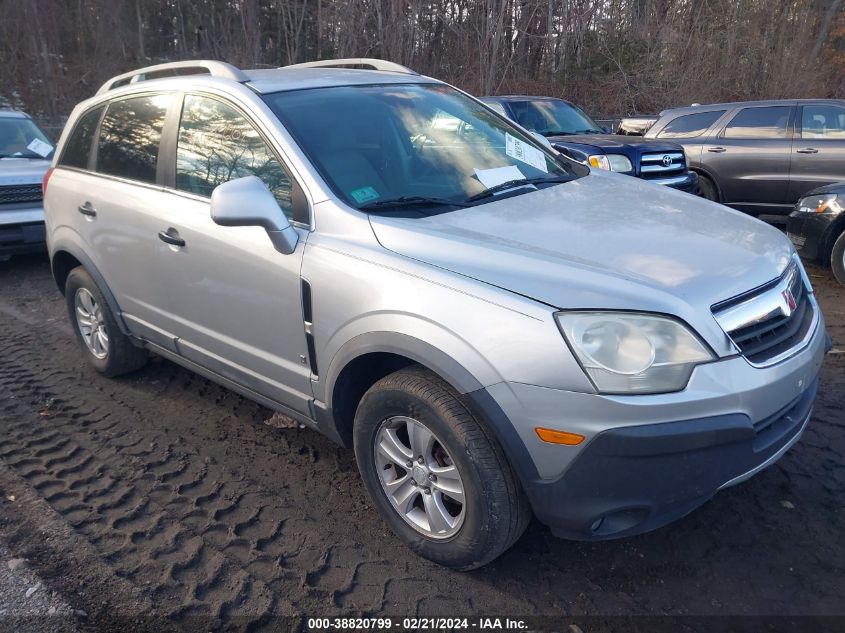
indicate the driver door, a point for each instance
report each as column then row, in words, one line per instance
column 235, row 300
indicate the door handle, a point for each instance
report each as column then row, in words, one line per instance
column 171, row 236
column 87, row 209
column 716, row 150
column 808, row 150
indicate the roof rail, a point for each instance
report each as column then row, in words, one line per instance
column 171, row 69
column 368, row 63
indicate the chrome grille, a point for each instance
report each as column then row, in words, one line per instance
column 772, row 322
column 20, row 193
column 662, row 164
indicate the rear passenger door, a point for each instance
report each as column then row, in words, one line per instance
column 119, row 205
column 750, row 157
column 818, row 151
column 235, row 300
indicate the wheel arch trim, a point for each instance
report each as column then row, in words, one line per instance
column 66, row 246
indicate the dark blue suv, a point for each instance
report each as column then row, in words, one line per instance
column 576, row 135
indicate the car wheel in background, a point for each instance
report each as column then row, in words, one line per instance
column 707, row 188
column 837, row 259
column 440, row 481
column 109, row 350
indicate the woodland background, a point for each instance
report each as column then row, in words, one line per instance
column 614, row 57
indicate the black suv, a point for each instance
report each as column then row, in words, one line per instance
column 760, row 156
column 576, row 135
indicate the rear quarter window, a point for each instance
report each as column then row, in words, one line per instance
column 129, row 137
column 690, row 125
column 77, row 150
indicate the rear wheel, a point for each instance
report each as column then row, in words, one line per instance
column 707, row 188
column 109, row 350
column 837, row 259
column 435, row 475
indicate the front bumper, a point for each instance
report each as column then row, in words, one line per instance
column 686, row 182
column 22, row 231
column 648, row 460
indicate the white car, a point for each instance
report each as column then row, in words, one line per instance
column 25, row 154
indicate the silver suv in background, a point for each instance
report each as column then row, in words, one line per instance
column 494, row 328
column 25, row 153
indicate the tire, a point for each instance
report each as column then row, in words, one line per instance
column 707, row 188
column 837, row 259
column 494, row 512
column 108, row 349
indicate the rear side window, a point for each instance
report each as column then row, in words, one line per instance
column 77, row 150
column 217, row 144
column 690, row 125
column 129, row 137
column 823, row 121
column 767, row 122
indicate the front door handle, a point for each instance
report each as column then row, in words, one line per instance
column 87, row 209
column 171, row 236
column 716, row 150
column 808, row 150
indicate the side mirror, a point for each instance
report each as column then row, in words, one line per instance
column 247, row 202
column 546, row 143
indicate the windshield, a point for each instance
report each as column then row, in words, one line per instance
column 552, row 117
column 21, row 138
column 412, row 143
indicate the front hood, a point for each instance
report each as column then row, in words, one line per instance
column 22, row 171
column 611, row 143
column 601, row 241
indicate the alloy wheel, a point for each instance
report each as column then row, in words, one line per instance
column 91, row 324
column 419, row 477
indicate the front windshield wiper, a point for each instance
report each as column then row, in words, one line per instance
column 19, row 155
column 590, row 131
column 408, row 201
column 513, row 184
column 558, row 133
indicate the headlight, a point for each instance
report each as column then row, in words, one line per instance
column 826, row 203
column 610, row 162
column 624, row 352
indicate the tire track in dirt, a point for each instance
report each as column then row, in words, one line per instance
column 213, row 544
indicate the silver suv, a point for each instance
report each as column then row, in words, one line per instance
column 495, row 329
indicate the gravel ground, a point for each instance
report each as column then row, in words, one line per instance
column 23, row 597
column 168, row 501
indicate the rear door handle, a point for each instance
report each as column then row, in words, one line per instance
column 171, row 236
column 808, row 150
column 87, row 209
column 716, row 150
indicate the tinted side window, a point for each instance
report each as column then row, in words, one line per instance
column 217, row 144
column 768, row 122
column 690, row 125
column 823, row 121
column 129, row 137
column 78, row 147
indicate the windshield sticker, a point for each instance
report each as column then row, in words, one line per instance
column 498, row 175
column 364, row 194
column 40, row 147
column 525, row 153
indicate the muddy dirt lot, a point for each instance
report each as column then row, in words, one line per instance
column 163, row 494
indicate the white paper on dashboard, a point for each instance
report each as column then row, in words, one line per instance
column 496, row 176
column 39, row 147
column 525, row 153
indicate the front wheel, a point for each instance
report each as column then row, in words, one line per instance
column 707, row 188
column 436, row 476
column 837, row 259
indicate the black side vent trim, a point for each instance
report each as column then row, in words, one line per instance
column 308, row 321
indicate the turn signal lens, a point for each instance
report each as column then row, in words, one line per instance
column 559, row 437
